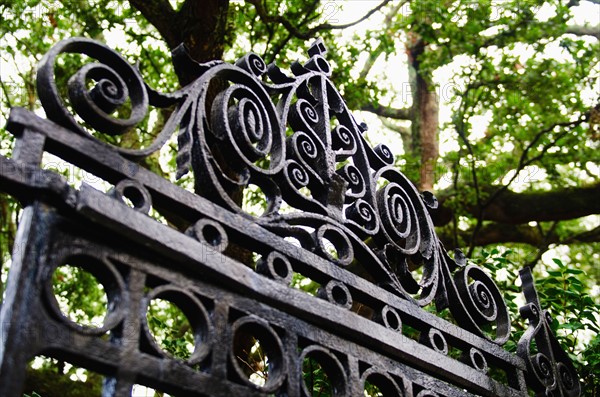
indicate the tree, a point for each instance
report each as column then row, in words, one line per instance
column 517, row 165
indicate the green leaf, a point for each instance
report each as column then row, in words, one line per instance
column 574, row 271
column 558, row 262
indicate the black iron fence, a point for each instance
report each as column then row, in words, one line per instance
column 337, row 215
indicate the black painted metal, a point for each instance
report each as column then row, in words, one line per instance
column 338, row 213
column 551, row 371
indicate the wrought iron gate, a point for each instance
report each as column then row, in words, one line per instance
column 338, row 214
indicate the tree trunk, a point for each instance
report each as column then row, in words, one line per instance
column 203, row 28
column 425, row 109
column 200, row 24
column 427, row 115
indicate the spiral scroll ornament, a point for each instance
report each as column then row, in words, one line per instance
column 344, row 143
column 241, row 121
column 362, row 215
column 305, row 150
column 384, row 153
column 476, row 302
column 237, row 137
column 303, row 115
column 356, row 183
column 297, row 175
column 115, row 84
column 252, row 63
column 404, row 217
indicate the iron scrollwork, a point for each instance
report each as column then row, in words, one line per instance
column 341, row 200
column 343, row 190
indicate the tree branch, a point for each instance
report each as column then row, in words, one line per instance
column 579, row 30
column 375, row 54
column 495, row 233
column 310, row 33
column 327, row 26
column 282, row 43
column 392, row 113
column 517, row 208
column 403, row 131
column 524, row 161
column 544, row 245
column 590, row 236
column 460, row 129
column 6, row 94
column 400, row 129
column 160, row 14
